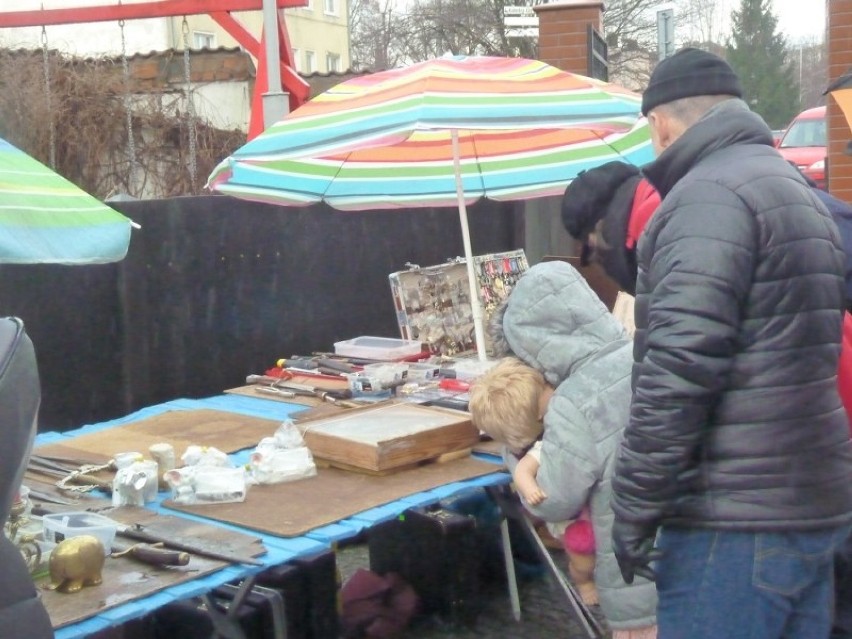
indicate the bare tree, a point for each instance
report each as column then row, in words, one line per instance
column 810, row 61
column 431, row 28
column 458, row 27
column 631, row 34
column 90, row 138
column 700, row 21
column 377, row 34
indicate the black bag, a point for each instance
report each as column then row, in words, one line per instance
column 22, row 614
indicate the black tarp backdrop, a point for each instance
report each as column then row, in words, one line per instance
column 214, row 289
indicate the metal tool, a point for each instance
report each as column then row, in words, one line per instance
column 37, row 495
column 271, row 390
column 304, row 363
column 137, row 532
column 154, row 554
column 263, row 379
column 335, row 365
column 331, row 396
column 322, row 393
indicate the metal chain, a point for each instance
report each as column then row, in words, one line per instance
column 51, row 124
column 128, row 113
column 190, row 109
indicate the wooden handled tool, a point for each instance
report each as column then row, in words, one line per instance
column 137, row 532
column 154, row 554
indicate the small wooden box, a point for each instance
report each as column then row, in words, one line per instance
column 433, row 302
column 388, row 436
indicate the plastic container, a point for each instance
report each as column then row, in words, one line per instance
column 388, row 374
column 365, row 386
column 60, row 526
column 423, row 372
column 469, row 369
column 380, row 348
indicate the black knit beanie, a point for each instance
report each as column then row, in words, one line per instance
column 587, row 197
column 688, row 73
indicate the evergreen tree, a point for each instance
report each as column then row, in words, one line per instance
column 758, row 53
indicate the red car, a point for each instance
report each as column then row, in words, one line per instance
column 804, row 144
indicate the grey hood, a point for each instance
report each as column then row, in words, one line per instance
column 555, row 322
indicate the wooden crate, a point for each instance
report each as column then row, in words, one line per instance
column 388, row 436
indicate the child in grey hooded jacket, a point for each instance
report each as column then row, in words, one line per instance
column 554, row 322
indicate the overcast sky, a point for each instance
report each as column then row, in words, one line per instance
column 797, row 19
column 801, row 18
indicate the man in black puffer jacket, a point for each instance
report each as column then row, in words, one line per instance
column 737, row 451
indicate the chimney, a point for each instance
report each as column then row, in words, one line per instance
column 563, row 32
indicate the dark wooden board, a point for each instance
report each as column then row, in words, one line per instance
column 229, row 432
column 125, row 579
column 293, row 508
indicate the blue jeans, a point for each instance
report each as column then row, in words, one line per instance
column 742, row 585
column 843, row 592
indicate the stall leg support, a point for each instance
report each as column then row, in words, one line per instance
column 511, row 578
column 511, row 508
column 225, row 623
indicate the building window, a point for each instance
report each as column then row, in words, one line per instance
column 330, row 7
column 203, row 40
column 332, row 62
column 297, row 60
column 310, row 62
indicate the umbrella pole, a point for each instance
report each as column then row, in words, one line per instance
column 476, row 307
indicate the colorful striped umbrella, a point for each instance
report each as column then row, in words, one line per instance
column 44, row 218
column 444, row 132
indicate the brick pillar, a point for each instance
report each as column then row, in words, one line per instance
column 563, row 35
column 839, row 36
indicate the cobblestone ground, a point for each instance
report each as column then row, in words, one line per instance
column 544, row 610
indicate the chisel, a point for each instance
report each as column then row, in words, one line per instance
column 137, row 533
column 153, row 554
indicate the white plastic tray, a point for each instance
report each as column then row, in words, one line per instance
column 380, row 348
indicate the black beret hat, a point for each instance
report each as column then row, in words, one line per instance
column 688, row 73
column 587, row 197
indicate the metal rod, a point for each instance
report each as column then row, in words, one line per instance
column 511, row 578
column 129, row 532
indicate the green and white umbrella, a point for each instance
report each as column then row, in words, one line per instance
column 45, row 218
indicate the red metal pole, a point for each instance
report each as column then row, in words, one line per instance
column 154, row 9
column 219, row 10
column 292, row 82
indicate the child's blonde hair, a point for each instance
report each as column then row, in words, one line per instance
column 504, row 403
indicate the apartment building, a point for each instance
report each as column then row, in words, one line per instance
column 319, row 34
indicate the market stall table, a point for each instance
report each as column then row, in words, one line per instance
column 280, row 548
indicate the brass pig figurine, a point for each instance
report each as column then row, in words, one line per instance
column 76, row 562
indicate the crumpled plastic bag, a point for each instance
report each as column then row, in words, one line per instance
column 207, row 484
column 288, row 435
column 283, row 457
column 205, row 456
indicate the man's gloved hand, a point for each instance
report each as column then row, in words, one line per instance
column 633, row 545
